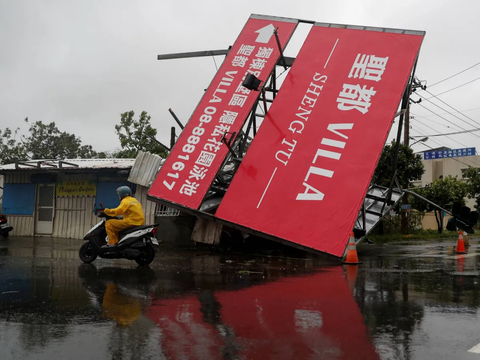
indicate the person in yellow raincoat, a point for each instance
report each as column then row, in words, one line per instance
column 132, row 212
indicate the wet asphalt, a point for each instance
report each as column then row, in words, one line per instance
column 415, row 300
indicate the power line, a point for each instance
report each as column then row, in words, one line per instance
column 438, row 82
column 460, row 111
column 459, row 86
column 454, row 133
column 426, row 118
column 439, row 134
column 465, row 130
column 477, row 123
column 450, row 106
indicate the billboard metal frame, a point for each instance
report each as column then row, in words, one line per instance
column 238, row 147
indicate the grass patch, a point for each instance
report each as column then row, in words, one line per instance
column 418, row 235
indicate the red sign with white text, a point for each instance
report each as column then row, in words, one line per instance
column 199, row 153
column 308, row 169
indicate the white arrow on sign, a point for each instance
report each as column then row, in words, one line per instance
column 264, row 34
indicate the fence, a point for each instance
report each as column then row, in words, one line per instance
column 163, row 210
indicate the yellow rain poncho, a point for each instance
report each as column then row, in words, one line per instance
column 132, row 212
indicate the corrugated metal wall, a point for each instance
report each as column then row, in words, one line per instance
column 148, row 206
column 145, row 168
column 18, row 178
column 22, row 225
column 74, row 216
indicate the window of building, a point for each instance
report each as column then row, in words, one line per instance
column 18, row 199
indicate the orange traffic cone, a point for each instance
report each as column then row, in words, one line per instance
column 352, row 257
column 460, row 245
column 465, row 239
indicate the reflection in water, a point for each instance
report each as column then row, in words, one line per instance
column 313, row 316
column 203, row 306
column 192, row 307
column 123, row 294
column 124, row 309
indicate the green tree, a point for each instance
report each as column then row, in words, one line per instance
column 409, row 166
column 10, row 148
column 443, row 192
column 137, row 135
column 44, row 141
column 473, row 185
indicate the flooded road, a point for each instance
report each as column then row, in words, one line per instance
column 405, row 301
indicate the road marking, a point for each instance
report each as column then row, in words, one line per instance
column 334, row 46
column 475, row 349
column 463, row 256
column 443, row 256
column 261, row 199
column 9, row 292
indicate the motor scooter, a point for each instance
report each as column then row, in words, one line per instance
column 137, row 243
column 5, row 228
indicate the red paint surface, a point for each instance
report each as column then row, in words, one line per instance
column 326, row 59
column 179, row 181
column 305, row 317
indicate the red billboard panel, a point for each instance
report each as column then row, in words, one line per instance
column 199, row 153
column 306, row 173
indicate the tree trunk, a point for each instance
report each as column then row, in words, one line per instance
column 438, row 218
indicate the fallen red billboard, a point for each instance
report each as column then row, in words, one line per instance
column 198, row 154
column 308, row 169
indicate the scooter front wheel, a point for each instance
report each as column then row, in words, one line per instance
column 147, row 256
column 87, row 253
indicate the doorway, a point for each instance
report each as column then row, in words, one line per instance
column 45, row 209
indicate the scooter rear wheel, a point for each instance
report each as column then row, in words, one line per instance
column 147, row 256
column 87, row 253
column 5, row 235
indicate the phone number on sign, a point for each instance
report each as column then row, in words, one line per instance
column 189, row 147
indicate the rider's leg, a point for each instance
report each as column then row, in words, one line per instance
column 113, row 227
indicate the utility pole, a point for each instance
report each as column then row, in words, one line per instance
column 406, row 139
column 406, row 142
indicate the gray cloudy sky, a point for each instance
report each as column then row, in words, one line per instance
column 82, row 63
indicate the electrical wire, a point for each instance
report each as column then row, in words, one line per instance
column 459, row 86
column 415, row 117
column 438, row 82
column 475, row 122
column 461, row 111
column 450, row 106
column 464, row 132
column 439, row 134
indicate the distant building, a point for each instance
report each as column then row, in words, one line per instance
column 61, row 198
column 443, row 162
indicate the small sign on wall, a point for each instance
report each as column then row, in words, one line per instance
column 76, row 189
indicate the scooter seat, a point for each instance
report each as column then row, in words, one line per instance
column 135, row 228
